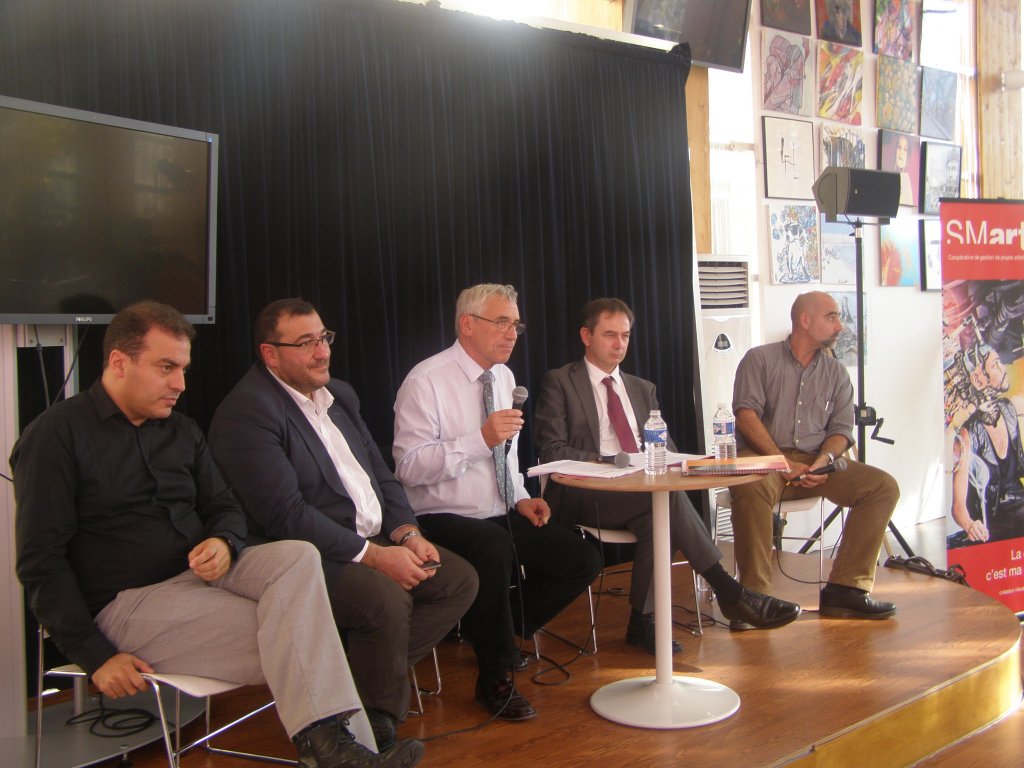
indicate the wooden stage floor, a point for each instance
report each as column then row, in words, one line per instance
column 818, row 692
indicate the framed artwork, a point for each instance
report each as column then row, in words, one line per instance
column 940, row 174
column 938, row 103
column 788, row 81
column 787, row 15
column 901, row 153
column 845, row 348
column 840, row 82
column 842, row 147
column 897, row 104
column 793, row 232
column 899, row 253
column 895, row 27
column 931, row 255
column 838, row 252
column 788, row 158
column 838, row 21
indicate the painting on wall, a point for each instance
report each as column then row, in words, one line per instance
column 940, row 174
column 838, row 21
column 838, row 253
column 897, row 106
column 793, row 232
column 899, row 253
column 842, row 147
column 895, row 26
column 788, row 80
column 840, row 82
column 787, row 15
column 845, row 348
column 788, row 158
column 931, row 255
column 901, row 153
column 938, row 103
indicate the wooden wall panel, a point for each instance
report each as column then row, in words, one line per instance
column 999, row 112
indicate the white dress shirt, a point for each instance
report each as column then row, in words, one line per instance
column 440, row 454
column 609, row 442
column 369, row 514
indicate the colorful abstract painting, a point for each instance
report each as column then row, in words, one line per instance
column 899, row 253
column 838, row 253
column 840, row 82
column 788, row 81
column 895, row 26
column 938, row 103
column 787, row 15
column 839, row 21
column 901, row 153
column 897, row 105
column 842, row 147
column 793, row 231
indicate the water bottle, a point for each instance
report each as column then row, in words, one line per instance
column 723, row 426
column 655, row 445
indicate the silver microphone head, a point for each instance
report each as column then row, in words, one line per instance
column 621, row 459
column 519, row 395
column 841, row 464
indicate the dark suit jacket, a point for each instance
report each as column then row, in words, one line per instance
column 566, row 426
column 283, row 475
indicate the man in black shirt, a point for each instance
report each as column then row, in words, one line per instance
column 130, row 546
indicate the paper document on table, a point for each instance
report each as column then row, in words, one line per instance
column 601, row 469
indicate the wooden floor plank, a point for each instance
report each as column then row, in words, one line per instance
column 803, row 687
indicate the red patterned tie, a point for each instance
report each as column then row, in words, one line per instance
column 617, row 416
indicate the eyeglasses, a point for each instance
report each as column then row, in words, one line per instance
column 503, row 326
column 308, row 344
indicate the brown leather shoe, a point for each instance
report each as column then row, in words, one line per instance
column 503, row 700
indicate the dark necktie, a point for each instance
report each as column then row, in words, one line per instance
column 617, row 416
column 504, row 478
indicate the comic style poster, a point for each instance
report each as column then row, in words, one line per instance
column 982, row 246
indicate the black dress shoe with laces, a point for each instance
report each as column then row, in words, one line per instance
column 329, row 744
column 640, row 632
column 503, row 700
column 752, row 610
column 849, row 603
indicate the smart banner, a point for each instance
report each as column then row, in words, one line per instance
column 982, row 246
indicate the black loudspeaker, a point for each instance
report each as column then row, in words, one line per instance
column 857, row 192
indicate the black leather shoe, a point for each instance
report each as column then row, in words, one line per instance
column 756, row 611
column 640, row 632
column 329, row 744
column 503, row 700
column 385, row 728
column 853, row 604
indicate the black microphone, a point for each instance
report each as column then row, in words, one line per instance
column 519, row 395
column 620, row 459
column 838, row 466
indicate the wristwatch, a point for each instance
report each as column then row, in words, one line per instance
column 831, row 457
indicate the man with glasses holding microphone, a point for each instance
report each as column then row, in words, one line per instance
column 292, row 443
column 456, row 453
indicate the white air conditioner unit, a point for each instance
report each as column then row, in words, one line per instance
column 726, row 331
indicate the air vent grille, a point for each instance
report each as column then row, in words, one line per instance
column 723, row 284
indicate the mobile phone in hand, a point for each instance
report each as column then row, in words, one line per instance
column 430, row 565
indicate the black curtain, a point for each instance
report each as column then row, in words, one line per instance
column 378, row 157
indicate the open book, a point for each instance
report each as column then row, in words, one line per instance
column 744, row 465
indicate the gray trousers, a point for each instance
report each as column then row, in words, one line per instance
column 633, row 511
column 266, row 620
column 388, row 629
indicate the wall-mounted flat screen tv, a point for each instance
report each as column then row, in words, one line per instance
column 715, row 29
column 97, row 212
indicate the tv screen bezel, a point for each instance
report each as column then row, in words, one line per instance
column 629, row 24
column 212, row 143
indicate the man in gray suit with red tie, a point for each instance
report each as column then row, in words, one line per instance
column 589, row 409
column 291, row 441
